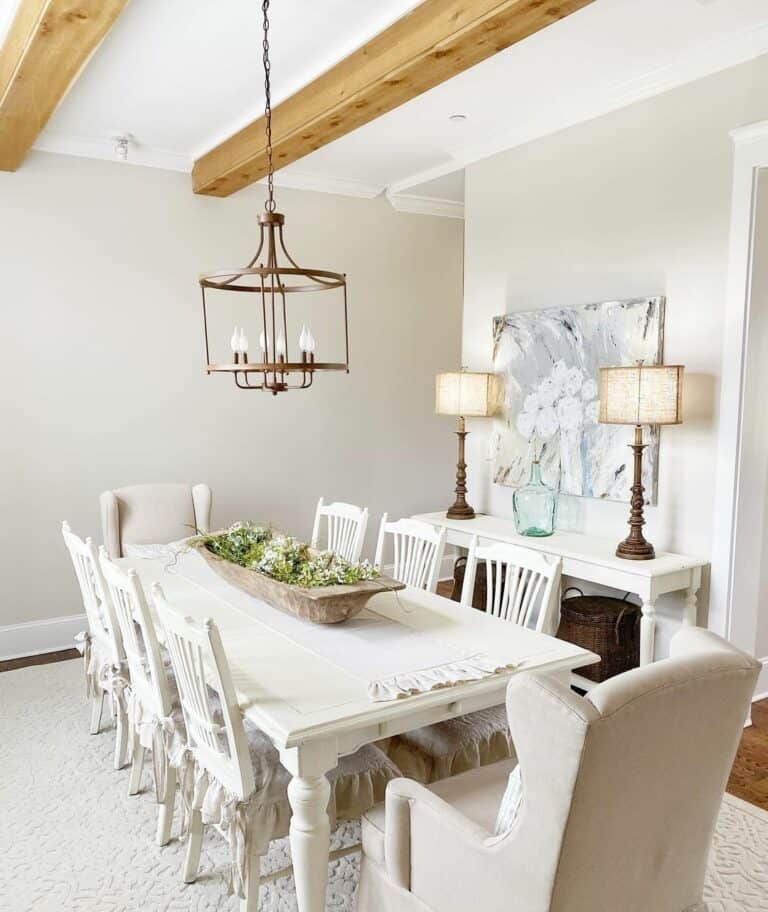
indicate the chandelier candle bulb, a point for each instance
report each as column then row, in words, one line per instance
column 280, row 347
column 234, row 344
column 243, row 344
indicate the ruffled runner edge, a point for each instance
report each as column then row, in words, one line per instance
column 407, row 684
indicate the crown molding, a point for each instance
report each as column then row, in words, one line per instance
column 103, row 148
column 426, row 205
column 323, row 183
column 750, row 133
column 704, row 61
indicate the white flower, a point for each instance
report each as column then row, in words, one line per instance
column 526, row 423
column 548, row 391
column 559, row 372
column 588, row 389
column 546, row 422
column 537, row 417
column 531, row 403
column 569, row 413
column 573, row 381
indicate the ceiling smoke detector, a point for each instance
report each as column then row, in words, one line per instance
column 457, row 118
column 122, row 145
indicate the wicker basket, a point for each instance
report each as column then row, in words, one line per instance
column 479, row 595
column 608, row 626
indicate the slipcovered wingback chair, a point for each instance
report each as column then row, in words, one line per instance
column 620, row 796
column 153, row 514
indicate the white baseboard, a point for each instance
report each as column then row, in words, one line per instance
column 761, row 691
column 38, row 637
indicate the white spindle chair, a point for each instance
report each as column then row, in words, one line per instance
column 522, row 588
column 345, row 529
column 227, row 750
column 418, row 551
column 215, row 733
column 103, row 652
column 151, row 696
column 522, row 585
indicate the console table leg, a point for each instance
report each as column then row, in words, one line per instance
column 647, row 633
column 690, row 618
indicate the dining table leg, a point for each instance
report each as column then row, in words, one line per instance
column 310, row 832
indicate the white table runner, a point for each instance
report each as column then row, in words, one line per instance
column 391, row 658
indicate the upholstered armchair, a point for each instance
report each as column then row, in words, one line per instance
column 621, row 792
column 153, row 514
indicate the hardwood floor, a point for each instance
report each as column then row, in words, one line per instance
column 749, row 776
column 45, row 659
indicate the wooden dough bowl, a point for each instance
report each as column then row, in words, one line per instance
column 321, row 605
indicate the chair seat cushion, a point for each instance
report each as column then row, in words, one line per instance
column 476, row 793
column 448, row 748
column 357, row 783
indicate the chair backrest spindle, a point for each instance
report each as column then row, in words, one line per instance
column 99, row 610
column 522, row 585
column 214, row 723
column 142, row 650
column 417, row 552
column 345, row 529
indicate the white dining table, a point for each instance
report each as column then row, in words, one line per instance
column 315, row 711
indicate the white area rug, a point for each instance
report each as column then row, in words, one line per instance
column 71, row 839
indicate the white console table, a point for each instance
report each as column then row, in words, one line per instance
column 593, row 560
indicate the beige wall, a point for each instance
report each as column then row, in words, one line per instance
column 101, row 363
column 633, row 203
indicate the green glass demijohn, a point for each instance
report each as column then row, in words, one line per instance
column 535, row 506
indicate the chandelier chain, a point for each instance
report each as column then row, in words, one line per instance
column 270, row 203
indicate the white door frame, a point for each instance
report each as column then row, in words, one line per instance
column 740, row 483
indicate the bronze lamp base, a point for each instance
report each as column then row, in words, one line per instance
column 634, row 546
column 460, row 509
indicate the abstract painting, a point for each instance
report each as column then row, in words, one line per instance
column 551, row 362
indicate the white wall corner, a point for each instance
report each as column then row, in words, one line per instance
column 38, row 637
column 750, row 133
column 426, row 205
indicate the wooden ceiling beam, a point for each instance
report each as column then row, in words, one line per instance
column 435, row 41
column 47, row 46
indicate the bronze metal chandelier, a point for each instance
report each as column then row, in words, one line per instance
column 276, row 276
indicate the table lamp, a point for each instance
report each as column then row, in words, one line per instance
column 466, row 394
column 640, row 395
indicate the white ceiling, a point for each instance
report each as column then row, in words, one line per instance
column 180, row 75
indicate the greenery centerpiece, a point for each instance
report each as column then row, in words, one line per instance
column 288, row 574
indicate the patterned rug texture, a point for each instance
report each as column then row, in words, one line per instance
column 72, row 839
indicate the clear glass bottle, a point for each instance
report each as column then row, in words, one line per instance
column 535, row 506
